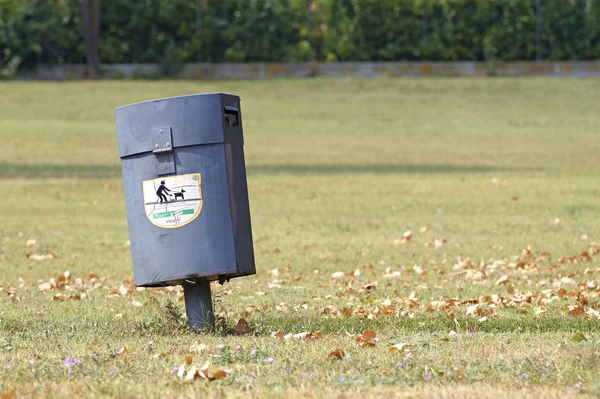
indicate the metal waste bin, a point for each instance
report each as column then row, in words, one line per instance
column 186, row 195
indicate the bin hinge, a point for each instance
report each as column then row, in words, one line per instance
column 162, row 147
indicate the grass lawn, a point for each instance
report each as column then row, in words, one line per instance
column 496, row 179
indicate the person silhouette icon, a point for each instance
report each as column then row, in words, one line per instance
column 161, row 192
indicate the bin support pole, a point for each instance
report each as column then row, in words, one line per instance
column 198, row 304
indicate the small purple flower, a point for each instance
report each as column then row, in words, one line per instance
column 534, row 357
column 7, row 366
column 519, row 328
column 400, row 364
column 253, row 352
column 427, row 377
column 237, row 348
column 342, row 379
column 578, row 385
column 269, row 360
column 252, row 374
column 458, row 365
column 31, row 362
column 514, row 359
column 227, row 371
column 472, row 334
column 220, row 346
column 525, row 375
column 453, row 335
column 287, row 370
column 106, row 343
column 274, row 346
column 94, row 358
column 113, row 371
column 175, row 369
column 70, row 372
column 68, row 362
column 305, row 374
column 553, row 364
column 150, row 343
column 357, row 368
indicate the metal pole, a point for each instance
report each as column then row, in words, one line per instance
column 198, row 304
column 538, row 30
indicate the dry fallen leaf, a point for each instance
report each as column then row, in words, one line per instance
column 191, row 374
column 188, row 360
column 123, row 352
column 38, row 257
column 32, row 242
column 337, row 353
column 338, row 275
column 218, row 375
column 502, row 280
column 137, row 303
column 198, row 347
column 366, row 340
column 575, row 310
column 241, row 328
column 12, row 394
column 59, row 297
column 399, row 347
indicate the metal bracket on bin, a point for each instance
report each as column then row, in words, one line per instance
column 162, row 147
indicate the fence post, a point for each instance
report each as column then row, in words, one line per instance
column 538, row 30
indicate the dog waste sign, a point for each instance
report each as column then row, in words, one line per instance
column 173, row 201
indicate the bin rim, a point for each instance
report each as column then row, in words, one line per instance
column 175, row 97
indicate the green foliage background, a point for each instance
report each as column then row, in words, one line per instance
column 34, row 32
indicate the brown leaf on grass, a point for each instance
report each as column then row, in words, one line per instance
column 32, row 242
column 369, row 287
column 406, row 237
column 399, row 347
column 123, row 352
column 241, row 327
column 192, row 374
column 39, row 257
column 158, row 355
column 45, row 287
column 575, row 310
column 12, row 394
column 366, row 340
column 337, row 353
column 188, row 360
column 40, row 313
column 198, row 347
column 218, row 375
column 502, row 280
column 59, row 297
column 338, row 275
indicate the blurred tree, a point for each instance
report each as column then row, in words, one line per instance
column 90, row 20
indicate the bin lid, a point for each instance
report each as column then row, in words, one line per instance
column 194, row 120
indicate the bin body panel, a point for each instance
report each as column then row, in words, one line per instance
column 240, row 207
column 206, row 135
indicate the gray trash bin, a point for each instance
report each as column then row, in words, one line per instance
column 186, row 194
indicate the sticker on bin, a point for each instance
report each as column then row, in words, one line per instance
column 173, row 201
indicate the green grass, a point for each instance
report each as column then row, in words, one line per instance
column 338, row 170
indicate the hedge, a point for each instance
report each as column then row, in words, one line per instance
column 34, row 32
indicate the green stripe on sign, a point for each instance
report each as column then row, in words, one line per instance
column 187, row 212
column 162, row 215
